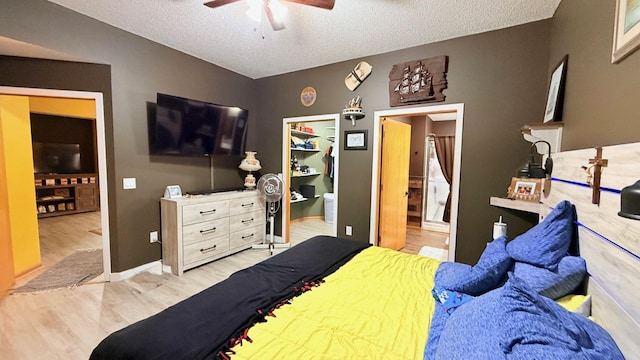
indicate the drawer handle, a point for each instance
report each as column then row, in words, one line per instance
column 206, row 231
column 247, row 237
column 208, row 249
column 248, row 204
column 213, row 211
column 247, row 221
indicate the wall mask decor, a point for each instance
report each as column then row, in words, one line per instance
column 418, row 82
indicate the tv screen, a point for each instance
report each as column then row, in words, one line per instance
column 51, row 158
column 196, row 128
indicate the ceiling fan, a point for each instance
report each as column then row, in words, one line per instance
column 276, row 23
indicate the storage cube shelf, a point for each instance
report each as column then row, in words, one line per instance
column 66, row 194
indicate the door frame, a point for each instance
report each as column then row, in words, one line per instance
column 102, row 154
column 458, row 108
column 286, row 150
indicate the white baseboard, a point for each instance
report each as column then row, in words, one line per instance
column 154, row 267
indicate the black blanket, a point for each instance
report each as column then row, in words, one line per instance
column 201, row 326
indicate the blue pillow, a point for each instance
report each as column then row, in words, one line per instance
column 553, row 284
column 515, row 322
column 547, row 242
column 489, row 273
column 536, row 327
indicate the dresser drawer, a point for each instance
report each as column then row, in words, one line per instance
column 204, row 230
column 195, row 213
column 204, row 250
column 246, row 237
column 246, row 204
column 245, row 221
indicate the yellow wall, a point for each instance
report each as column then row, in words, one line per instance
column 20, row 202
column 80, row 108
column 7, row 276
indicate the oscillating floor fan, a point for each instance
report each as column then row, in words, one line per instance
column 272, row 187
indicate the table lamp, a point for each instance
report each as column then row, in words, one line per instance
column 250, row 163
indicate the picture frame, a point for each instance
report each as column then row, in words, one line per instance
column 355, row 140
column 172, row 192
column 527, row 189
column 626, row 30
column 555, row 96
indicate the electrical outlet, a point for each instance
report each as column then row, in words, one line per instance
column 153, row 237
column 348, row 230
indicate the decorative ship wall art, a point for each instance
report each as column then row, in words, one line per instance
column 418, row 82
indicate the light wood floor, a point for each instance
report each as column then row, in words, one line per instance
column 68, row 324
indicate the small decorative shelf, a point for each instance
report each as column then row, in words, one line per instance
column 353, row 114
column 527, row 206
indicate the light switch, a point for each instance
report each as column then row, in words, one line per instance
column 128, row 183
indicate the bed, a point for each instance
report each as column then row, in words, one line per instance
column 333, row 298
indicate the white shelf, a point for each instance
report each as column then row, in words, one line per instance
column 527, row 206
column 305, row 150
column 303, row 199
column 302, row 133
column 305, row 175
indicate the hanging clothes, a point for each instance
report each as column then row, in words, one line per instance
column 329, row 156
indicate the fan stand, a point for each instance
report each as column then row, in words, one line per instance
column 271, row 244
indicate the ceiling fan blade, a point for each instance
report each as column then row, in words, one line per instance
column 216, row 3
column 324, row 4
column 275, row 23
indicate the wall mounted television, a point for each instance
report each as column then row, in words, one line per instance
column 52, row 158
column 187, row 127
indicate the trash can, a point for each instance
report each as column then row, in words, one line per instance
column 328, row 207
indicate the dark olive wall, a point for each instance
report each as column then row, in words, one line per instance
column 500, row 77
column 601, row 98
column 139, row 68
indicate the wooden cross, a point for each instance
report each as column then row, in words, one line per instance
column 597, row 163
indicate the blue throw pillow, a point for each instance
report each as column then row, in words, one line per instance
column 536, row 327
column 553, row 284
column 489, row 273
column 547, row 242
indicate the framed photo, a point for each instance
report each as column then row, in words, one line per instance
column 555, row 98
column 172, row 192
column 626, row 31
column 355, row 140
column 526, row 189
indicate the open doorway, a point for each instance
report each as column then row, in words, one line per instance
column 431, row 114
column 99, row 219
column 310, row 173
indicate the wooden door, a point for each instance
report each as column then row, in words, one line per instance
column 394, row 184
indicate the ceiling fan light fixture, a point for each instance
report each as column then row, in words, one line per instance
column 278, row 9
column 254, row 13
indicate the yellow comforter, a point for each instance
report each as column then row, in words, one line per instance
column 377, row 306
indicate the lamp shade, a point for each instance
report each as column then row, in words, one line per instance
column 250, row 163
column 630, row 201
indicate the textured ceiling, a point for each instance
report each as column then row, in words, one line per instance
column 225, row 36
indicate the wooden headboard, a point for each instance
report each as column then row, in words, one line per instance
column 609, row 243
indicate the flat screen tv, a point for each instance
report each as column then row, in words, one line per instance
column 52, row 158
column 188, row 127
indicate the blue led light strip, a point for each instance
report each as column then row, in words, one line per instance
column 602, row 188
column 636, row 257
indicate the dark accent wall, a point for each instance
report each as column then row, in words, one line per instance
column 500, row 76
column 601, row 98
column 134, row 69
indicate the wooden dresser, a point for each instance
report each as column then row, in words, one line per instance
column 200, row 229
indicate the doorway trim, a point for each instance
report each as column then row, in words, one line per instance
column 455, row 186
column 102, row 154
column 286, row 149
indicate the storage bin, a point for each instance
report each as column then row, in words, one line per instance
column 308, row 191
column 328, row 207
